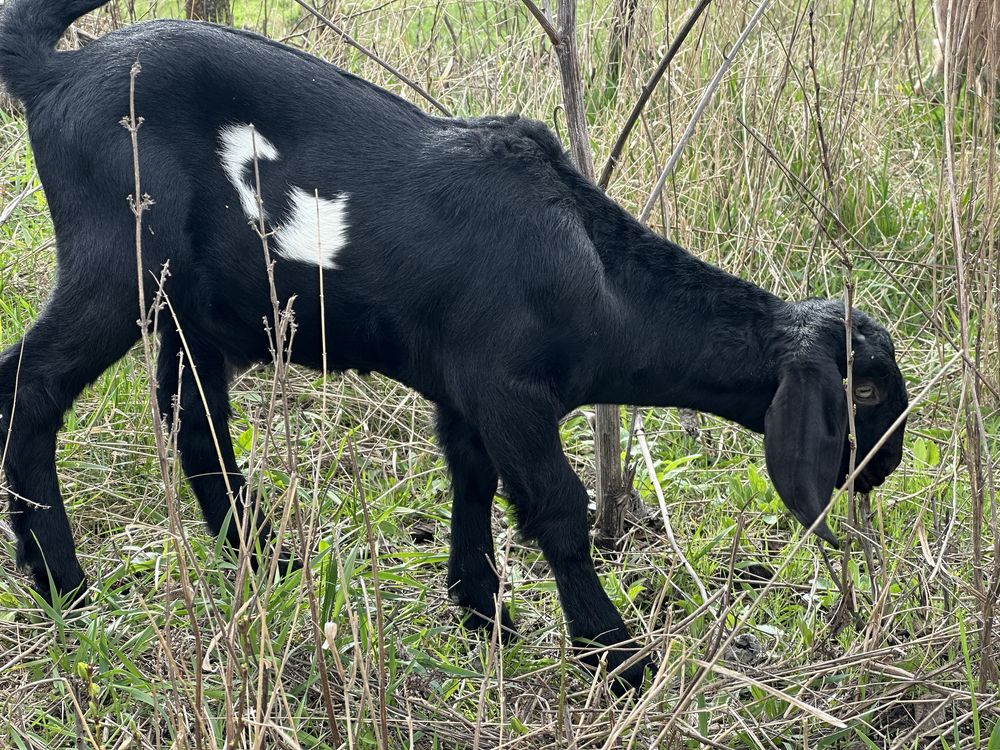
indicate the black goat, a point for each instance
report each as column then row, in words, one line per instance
column 467, row 259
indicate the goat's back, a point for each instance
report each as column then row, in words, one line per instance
column 453, row 229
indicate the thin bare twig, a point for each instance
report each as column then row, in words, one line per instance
column 351, row 41
column 140, row 203
column 706, row 97
column 377, row 586
column 647, row 92
column 543, row 21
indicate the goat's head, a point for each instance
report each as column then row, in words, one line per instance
column 806, row 439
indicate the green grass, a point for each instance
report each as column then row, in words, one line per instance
column 186, row 648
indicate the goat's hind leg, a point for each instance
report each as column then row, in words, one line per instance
column 472, row 576
column 81, row 332
column 192, row 375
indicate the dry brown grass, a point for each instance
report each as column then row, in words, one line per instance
column 185, row 648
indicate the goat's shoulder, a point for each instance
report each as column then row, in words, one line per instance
column 508, row 141
column 513, row 163
column 530, row 150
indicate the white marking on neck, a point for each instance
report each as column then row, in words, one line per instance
column 241, row 146
column 316, row 229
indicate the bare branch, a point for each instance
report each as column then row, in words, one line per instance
column 572, row 85
column 543, row 20
column 647, row 92
column 372, row 56
column 706, row 97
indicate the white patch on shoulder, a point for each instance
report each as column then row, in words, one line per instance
column 316, row 229
column 239, row 145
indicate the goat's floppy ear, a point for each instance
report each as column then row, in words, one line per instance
column 804, row 432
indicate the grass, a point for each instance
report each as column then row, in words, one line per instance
column 186, row 648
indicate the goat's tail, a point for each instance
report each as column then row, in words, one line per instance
column 29, row 30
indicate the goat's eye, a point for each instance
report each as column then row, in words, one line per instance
column 865, row 393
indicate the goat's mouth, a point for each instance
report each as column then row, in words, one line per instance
column 866, row 480
column 873, row 475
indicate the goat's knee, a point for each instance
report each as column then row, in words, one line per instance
column 557, row 519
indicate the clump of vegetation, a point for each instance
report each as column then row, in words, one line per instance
column 814, row 148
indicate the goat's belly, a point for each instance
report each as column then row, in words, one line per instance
column 323, row 318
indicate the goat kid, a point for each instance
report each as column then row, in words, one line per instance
column 467, row 259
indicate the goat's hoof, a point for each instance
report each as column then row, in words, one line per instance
column 69, row 589
column 473, row 619
column 615, row 651
column 288, row 563
column 631, row 679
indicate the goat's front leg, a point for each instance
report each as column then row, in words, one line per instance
column 551, row 505
column 472, row 575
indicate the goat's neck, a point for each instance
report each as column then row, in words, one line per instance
column 688, row 334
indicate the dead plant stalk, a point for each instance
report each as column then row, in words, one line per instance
column 140, row 203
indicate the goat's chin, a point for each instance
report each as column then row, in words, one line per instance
column 862, row 485
column 865, row 481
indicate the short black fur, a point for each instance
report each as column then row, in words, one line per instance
column 481, row 269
